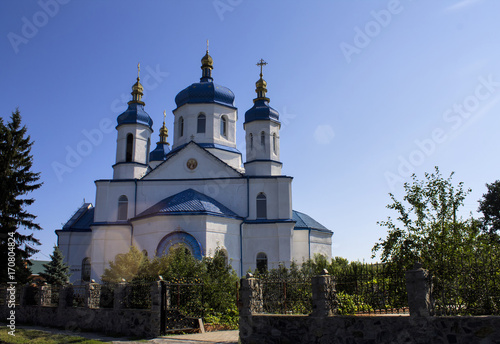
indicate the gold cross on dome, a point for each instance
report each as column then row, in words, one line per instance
column 138, row 69
column 207, row 45
column 261, row 64
column 164, row 115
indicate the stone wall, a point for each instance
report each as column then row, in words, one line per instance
column 267, row 329
column 321, row 327
column 37, row 309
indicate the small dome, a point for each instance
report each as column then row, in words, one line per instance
column 261, row 111
column 135, row 114
column 205, row 92
column 160, row 152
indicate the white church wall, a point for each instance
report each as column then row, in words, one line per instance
column 321, row 243
column 273, row 239
column 75, row 246
column 230, row 158
column 278, row 197
column 224, row 233
column 300, row 245
column 107, row 242
column 107, row 195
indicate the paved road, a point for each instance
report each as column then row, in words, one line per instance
column 197, row 338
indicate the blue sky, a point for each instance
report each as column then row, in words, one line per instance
column 368, row 92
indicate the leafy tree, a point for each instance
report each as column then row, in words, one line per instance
column 57, row 272
column 427, row 227
column 489, row 205
column 16, row 181
column 127, row 266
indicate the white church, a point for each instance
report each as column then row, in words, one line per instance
column 199, row 192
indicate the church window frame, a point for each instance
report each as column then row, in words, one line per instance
column 122, row 208
column 181, row 126
column 223, row 126
column 86, row 268
column 129, row 148
column 201, row 127
column 261, row 262
column 263, row 139
column 261, row 206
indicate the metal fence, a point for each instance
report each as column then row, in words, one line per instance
column 467, row 286
column 371, row 289
column 286, row 296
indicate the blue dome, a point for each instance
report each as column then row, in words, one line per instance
column 261, row 111
column 205, row 92
column 135, row 114
column 160, row 152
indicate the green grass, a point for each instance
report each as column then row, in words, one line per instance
column 39, row 337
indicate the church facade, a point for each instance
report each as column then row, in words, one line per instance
column 199, row 192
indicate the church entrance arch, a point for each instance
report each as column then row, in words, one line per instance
column 176, row 239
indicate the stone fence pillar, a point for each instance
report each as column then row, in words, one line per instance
column 418, row 287
column 323, row 291
column 156, row 295
column 43, row 295
column 119, row 301
column 92, row 295
column 251, row 296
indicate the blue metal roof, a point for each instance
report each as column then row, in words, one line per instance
column 135, row 114
column 160, row 152
column 261, row 111
column 304, row 221
column 205, row 92
column 189, row 202
column 82, row 219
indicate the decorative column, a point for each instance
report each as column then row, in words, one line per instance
column 323, row 292
column 418, row 287
column 44, row 294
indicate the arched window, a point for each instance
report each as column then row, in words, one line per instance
column 261, row 262
column 130, row 146
column 181, row 126
column 261, row 206
column 274, row 143
column 263, row 139
column 202, row 119
column 223, row 126
column 122, row 207
column 86, row 269
column 251, row 141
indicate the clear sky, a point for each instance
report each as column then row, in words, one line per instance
column 368, row 92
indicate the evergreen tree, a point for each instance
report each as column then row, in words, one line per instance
column 16, row 181
column 57, row 272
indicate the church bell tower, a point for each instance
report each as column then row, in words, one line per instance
column 134, row 137
column 262, row 128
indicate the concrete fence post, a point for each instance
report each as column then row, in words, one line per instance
column 251, row 296
column 419, row 288
column 323, row 291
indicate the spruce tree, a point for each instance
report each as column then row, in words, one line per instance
column 16, row 181
column 56, row 271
